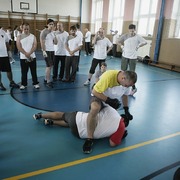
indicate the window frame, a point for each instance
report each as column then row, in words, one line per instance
column 115, row 18
column 150, row 16
column 96, row 15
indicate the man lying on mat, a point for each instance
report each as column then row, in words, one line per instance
column 108, row 123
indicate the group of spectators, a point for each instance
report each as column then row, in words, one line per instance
column 57, row 45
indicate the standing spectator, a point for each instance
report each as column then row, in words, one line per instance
column 87, row 38
column 130, row 43
column 4, row 61
column 80, row 35
column 47, row 38
column 15, row 33
column 115, row 38
column 27, row 44
column 9, row 35
column 73, row 45
column 60, row 52
column 102, row 46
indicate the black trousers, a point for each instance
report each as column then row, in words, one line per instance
column 25, row 66
column 87, row 48
column 71, row 67
column 114, row 50
column 58, row 59
column 15, row 48
column 94, row 64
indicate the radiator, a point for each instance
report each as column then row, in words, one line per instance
column 145, row 50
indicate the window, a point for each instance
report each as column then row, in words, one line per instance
column 144, row 14
column 176, row 16
column 97, row 10
column 116, row 14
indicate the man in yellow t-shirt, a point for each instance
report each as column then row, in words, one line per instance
column 108, row 79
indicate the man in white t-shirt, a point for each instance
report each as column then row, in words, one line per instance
column 102, row 46
column 108, row 124
column 73, row 46
column 27, row 44
column 130, row 43
column 4, row 61
column 47, row 40
column 87, row 39
column 60, row 52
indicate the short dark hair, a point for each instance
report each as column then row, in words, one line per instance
column 103, row 64
column 132, row 26
column 131, row 76
column 49, row 21
column 73, row 28
column 77, row 26
column 25, row 24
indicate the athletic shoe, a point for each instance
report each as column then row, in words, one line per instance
column 37, row 116
column 87, row 147
column 22, row 87
column 49, row 85
column 12, row 61
column 48, row 122
column 13, row 84
column 87, row 83
column 36, row 86
column 133, row 91
column 2, row 87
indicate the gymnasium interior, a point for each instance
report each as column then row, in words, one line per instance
column 31, row 150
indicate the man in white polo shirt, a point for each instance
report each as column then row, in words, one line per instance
column 130, row 43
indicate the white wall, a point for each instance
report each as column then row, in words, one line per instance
column 51, row 7
column 61, row 7
column 5, row 5
column 55, row 7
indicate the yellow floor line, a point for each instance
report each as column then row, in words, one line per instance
column 58, row 167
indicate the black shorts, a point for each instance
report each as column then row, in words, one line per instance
column 50, row 58
column 70, row 118
column 94, row 64
column 5, row 64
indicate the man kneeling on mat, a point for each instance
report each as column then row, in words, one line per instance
column 108, row 124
